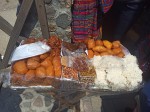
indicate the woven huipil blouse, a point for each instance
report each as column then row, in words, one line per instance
column 86, row 16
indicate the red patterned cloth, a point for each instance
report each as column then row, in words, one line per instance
column 85, row 18
column 106, row 5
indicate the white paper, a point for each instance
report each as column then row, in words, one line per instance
column 29, row 50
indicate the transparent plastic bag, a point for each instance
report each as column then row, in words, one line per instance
column 33, row 71
column 36, row 71
column 69, row 49
column 82, row 64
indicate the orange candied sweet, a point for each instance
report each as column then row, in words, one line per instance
column 15, row 78
column 54, row 42
column 99, row 43
column 96, row 53
column 57, row 66
column 57, row 60
column 57, row 52
column 43, row 56
column 58, row 72
column 99, row 49
column 36, row 58
column 116, row 44
column 91, row 43
column 90, row 54
column 107, row 44
column 40, row 72
column 104, row 53
column 46, row 63
column 50, row 58
column 20, row 67
column 121, row 55
column 50, row 71
column 110, row 51
column 30, row 75
column 117, row 50
column 32, row 64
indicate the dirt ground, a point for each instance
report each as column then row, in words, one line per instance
column 8, row 12
column 8, row 4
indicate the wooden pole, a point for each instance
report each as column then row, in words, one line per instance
column 5, row 26
column 42, row 16
column 25, row 7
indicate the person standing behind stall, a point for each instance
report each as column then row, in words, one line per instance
column 120, row 19
column 87, row 18
column 143, row 55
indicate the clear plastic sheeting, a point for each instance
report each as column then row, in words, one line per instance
column 29, row 50
column 5, row 77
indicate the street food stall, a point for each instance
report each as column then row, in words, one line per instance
column 50, row 64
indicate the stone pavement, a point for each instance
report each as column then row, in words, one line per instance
column 35, row 102
column 31, row 101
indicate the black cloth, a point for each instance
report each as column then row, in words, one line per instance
column 130, row 1
column 143, row 55
column 120, row 18
column 145, row 98
column 9, row 101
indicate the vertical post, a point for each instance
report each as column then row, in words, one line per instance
column 40, row 5
column 25, row 7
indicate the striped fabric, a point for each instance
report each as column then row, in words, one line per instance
column 85, row 18
column 106, row 5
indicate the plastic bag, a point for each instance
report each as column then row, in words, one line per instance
column 69, row 49
column 33, row 71
column 38, row 65
column 78, row 64
column 29, row 50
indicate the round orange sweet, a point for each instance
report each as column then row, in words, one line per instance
column 91, row 43
column 30, row 75
column 43, row 56
column 99, row 42
column 90, row 54
column 50, row 71
column 20, row 67
column 40, row 72
column 46, row 63
column 32, row 64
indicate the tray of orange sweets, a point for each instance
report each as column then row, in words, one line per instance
column 53, row 63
